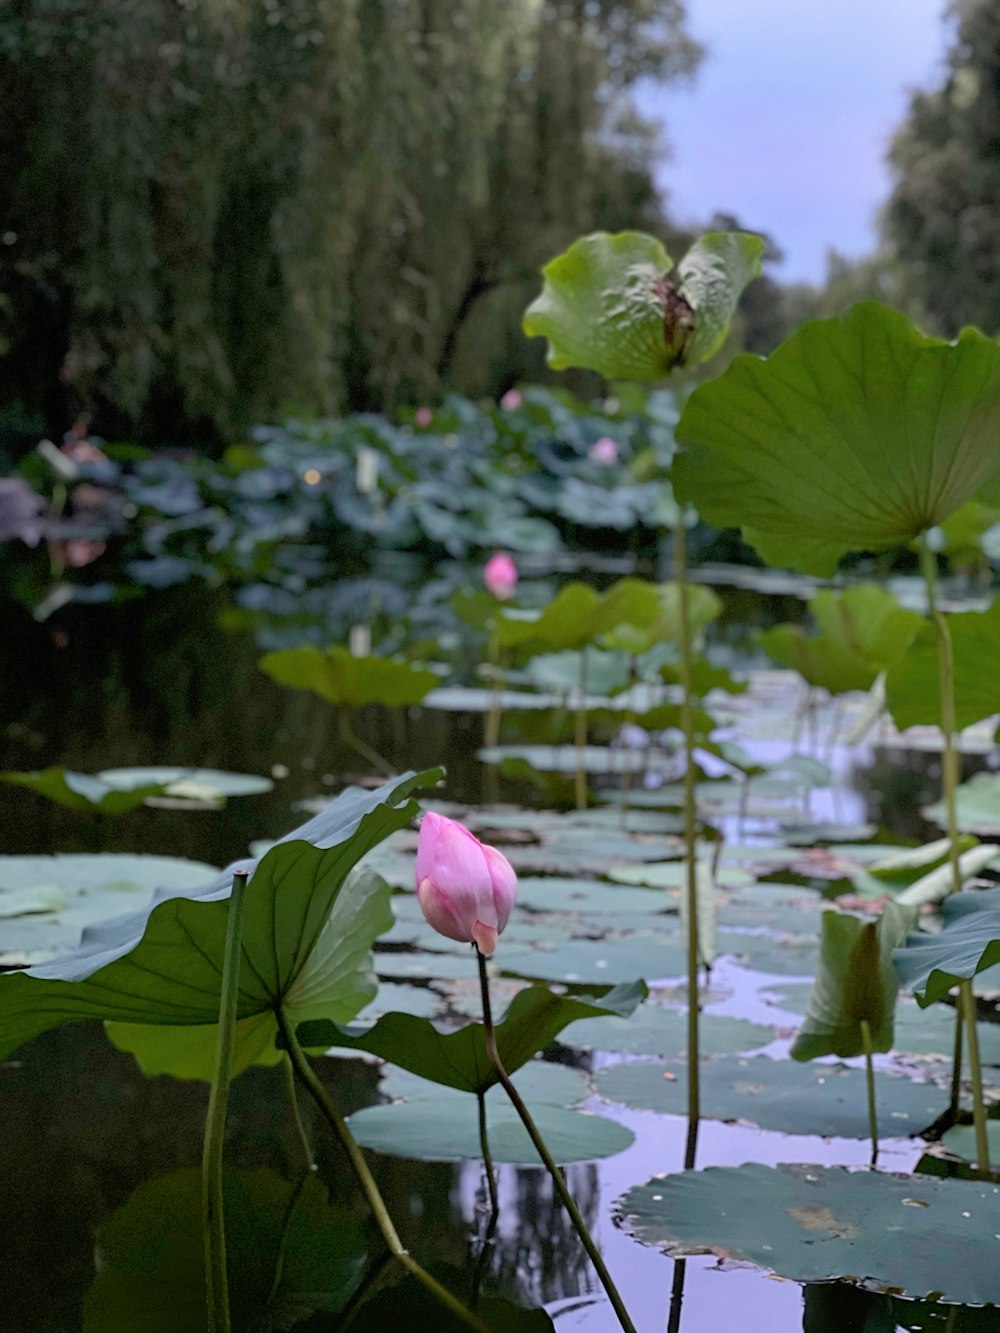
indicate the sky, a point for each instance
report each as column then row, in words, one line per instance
column 787, row 122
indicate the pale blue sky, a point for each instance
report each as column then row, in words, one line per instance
column 788, row 120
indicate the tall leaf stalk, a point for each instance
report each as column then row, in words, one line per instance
column 213, row 1217
column 966, row 999
column 691, row 848
column 541, row 1148
column 866, row 1037
column 366, row 1180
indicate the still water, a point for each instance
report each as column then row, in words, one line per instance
column 162, row 683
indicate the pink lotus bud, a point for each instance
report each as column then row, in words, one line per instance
column 423, row 416
column 605, row 450
column 512, row 400
column 500, row 576
column 465, row 888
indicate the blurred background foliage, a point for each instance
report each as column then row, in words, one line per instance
column 218, row 212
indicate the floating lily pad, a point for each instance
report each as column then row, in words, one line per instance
column 775, row 906
column 913, row 1235
column 977, row 805
column 608, row 961
column 961, row 1140
column 656, row 1030
column 597, row 759
column 825, row 1100
column 435, row 1123
column 421, row 966
column 553, row 894
column 199, row 784
column 671, row 875
column 393, row 998
column 46, row 902
column 81, row 791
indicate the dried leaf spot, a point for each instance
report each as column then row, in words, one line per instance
column 816, row 1217
column 751, row 1089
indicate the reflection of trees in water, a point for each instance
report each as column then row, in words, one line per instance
column 899, row 783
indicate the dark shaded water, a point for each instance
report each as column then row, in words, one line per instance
column 162, row 683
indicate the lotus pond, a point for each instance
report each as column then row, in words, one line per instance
column 749, row 991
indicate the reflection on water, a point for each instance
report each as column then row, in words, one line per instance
column 110, row 687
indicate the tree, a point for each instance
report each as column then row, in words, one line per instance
column 216, row 211
column 941, row 219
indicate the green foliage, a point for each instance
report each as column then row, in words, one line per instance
column 158, row 971
column 610, row 304
column 458, row 1059
column 219, row 210
column 930, row 965
column 339, row 677
column 858, row 434
column 912, row 686
column 81, row 791
column 855, row 984
column 863, row 631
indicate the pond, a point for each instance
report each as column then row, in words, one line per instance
column 96, row 1151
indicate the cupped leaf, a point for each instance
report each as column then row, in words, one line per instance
column 611, row 304
column 436, row 1123
column 855, row 983
column 863, row 631
column 913, row 1235
column 339, row 677
column 912, row 686
column 305, row 946
column 977, row 805
column 858, row 434
column 82, row 791
column 930, row 965
column 288, row 1254
column 458, row 1059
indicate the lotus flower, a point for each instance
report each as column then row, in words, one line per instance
column 465, row 888
column 423, row 416
column 512, row 400
column 500, row 576
column 605, row 450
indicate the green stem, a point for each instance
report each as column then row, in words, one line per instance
column 691, row 851
column 966, row 1002
column 293, row 1103
column 968, row 1005
column 484, row 1144
column 360, row 747
column 541, row 1148
column 580, row 736
column 366, row 1180
column 213, row 1218
column 956, row 1065
column 866, row 1038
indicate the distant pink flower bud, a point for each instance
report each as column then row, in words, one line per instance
column 500, row 576
column 465, row 888
column 512, row 400
column 423, row 416
column 605, row 450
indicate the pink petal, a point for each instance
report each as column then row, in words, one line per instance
column 485, row 939
column 504, row 882
column 438, row 913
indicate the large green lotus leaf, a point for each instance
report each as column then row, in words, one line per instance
column 837, row 1307
column 977, row 805
column 863, row 631
column 608, row 304
column 858, row 434
column 855, row 983
column 81, row 791
column 47, row 901
column 440, row 1124
column 655, row 1030
column 409, row 1305
column 305, row 946
column 930, row 965
column 912, row 686
column 288, row 1254
column 917, row 1236
column 458, row 1059
column 336, row 675
column 792, row 1098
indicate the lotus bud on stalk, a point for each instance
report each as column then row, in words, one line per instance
column 500, row 576
column 465, row 888
column 604, row 451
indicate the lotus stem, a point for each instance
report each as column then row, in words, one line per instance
column 677, row 1296
column 484, row 1144
column 866, row 1039
column 691, row 851
column 360, row 747
column 213, row 1213
column 366, row 1180
column 494, row 715
column 966, row 1001
column 293, row 1104
column 541, row 1148
column 580, row 736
